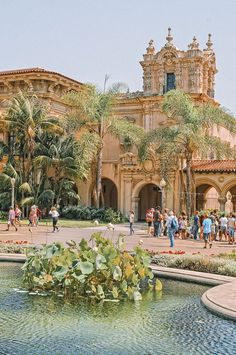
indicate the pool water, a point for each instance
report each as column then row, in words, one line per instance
column 171, row 322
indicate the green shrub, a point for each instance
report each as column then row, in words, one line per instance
column 3, row 215
column 100, row 272
column 91, row 213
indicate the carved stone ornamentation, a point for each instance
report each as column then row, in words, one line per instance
column 128, row 158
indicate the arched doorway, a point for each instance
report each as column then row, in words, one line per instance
column 149, row 196
column 109, row 195
column 207, row 198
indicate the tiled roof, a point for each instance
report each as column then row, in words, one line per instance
column 214, row 165
column 35, row 70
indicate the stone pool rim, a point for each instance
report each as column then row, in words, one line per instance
column 219, row 299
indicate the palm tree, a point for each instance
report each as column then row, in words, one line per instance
column 64, row 159
column 187, row 133
column 92, row 112
column 25, row 118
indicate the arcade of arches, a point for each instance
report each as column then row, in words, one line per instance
column 209, row 197
column 213, row 191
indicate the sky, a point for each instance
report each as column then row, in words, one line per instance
column 87, row 39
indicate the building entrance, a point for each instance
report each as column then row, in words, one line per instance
column 149, row 196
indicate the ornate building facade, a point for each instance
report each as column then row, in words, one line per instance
column 131, row 184
column 127, row 183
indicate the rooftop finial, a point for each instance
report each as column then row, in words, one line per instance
column 194, row 44
column 151, row 48
column 209, row 43
column 169, row 37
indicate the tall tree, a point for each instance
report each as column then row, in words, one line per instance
column 187, row 132
column 92, row 111
column 25, row 118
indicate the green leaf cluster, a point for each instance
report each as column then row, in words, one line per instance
column 101, row 271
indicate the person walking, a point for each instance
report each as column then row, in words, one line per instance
column 172, row 227
column 231, row 227
column 206, row 224
column 223, row 227
column 32, row 217
column 11, row 219
column 196, row 224
column 54, row 213
column 131, row 222
column 157, row 222
column 213, row 226
column 149, row 220
column 165, row 217
column 38, row 215
column 18, row 214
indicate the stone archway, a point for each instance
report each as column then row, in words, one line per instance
column 150, row 195
column 109, row 194
column 208, row 196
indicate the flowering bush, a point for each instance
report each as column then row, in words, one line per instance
column 13, row 247
column 176, row 252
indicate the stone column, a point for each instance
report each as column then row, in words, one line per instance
column 222, row 201
column 205, row 203
column 127, row 193
column 233, row 200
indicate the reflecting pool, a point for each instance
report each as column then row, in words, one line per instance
column 173, row 322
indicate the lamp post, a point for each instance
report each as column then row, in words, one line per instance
column 162, row 185
column 13, row 182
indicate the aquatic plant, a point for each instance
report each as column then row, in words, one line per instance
column 97, row 269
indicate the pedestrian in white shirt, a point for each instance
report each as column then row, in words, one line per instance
column 223, row 227
column 55, row 216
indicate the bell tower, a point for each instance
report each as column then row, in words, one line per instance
column 192, row 70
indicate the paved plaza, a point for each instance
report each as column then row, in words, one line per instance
column 43, row 234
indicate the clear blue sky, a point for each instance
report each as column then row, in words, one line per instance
column 86, row 39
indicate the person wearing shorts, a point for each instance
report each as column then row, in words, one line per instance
column 207, row 223
column 223, row 227
column 231, row 227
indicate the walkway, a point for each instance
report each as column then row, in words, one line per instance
column 43, row 234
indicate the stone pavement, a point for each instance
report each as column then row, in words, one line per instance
column 43, row 234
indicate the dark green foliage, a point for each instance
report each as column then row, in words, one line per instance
column 92, row 213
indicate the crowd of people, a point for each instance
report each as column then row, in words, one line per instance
column 207, row 227
column 35, row 214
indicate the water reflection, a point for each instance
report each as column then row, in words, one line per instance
column 169, row 322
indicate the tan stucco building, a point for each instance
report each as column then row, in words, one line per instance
column 126, row 182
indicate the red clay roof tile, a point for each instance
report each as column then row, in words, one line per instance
column 214, row 165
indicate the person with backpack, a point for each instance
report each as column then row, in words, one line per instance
column 172, row 227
